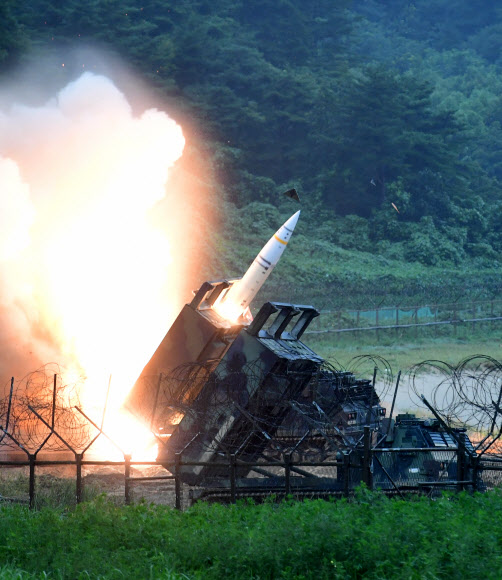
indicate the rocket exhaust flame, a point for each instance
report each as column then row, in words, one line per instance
column 83, row 269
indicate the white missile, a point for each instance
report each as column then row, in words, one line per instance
column 240, row 295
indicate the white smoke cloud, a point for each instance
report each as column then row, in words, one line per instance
column 16, row 211
column 82, row 270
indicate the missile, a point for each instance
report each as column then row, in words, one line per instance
column 240, row 295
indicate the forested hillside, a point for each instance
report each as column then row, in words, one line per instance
column 385, row 115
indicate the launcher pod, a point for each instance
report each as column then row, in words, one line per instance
column 246, row 397
column 198, row 335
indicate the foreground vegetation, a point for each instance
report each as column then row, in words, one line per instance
column 370, row 537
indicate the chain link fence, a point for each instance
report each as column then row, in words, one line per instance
column 444, row 318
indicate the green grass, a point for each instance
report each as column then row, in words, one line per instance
column 370, row 537
column 403, row 354
column 316, row 271
column 51, row 491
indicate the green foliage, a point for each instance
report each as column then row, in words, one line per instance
column 438, row 23
column 391, row 132
column 53, row 492
column 349, row 232
column 428, row 246
column 359, row 105
column 13, row 37
column 370, row 536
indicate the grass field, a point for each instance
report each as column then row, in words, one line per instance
column 403, row 354
column 371, row 537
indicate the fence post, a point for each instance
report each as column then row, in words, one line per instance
column 346, row 473
column 32, row 458
column 475, row 471
column 460, row 465
column 287, row 472
column 376, row 324
column 473, row 315
column 127, row 476
column 397, row 320
column 367, row 479
column 177, row 480
column 232, row 477
column 78, row 463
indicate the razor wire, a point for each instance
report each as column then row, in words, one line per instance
column 41, row 405
column 44, row 403
column 468, row 394
column 282, row 410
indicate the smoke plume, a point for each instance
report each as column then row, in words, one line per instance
column 84, row 269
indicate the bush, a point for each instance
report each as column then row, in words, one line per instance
column 431, row 247
column 370, row 536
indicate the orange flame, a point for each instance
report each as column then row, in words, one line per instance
column 84, row 270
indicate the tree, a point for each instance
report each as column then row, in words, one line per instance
column 390, row 130
column 13, row 37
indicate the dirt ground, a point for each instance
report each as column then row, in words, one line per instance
column 57, row 484
column 111, row 481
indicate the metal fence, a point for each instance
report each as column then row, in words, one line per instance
column 394, row 471
column 449, row 316
column 44, row 427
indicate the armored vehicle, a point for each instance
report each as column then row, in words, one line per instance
column 419, row 453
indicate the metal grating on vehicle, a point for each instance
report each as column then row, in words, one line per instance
column 442, row 439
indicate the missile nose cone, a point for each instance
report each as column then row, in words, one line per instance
column 285, row 232
column 292, row 221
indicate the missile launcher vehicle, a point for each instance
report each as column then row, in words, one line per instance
column 254, row 391
column 233, row 400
